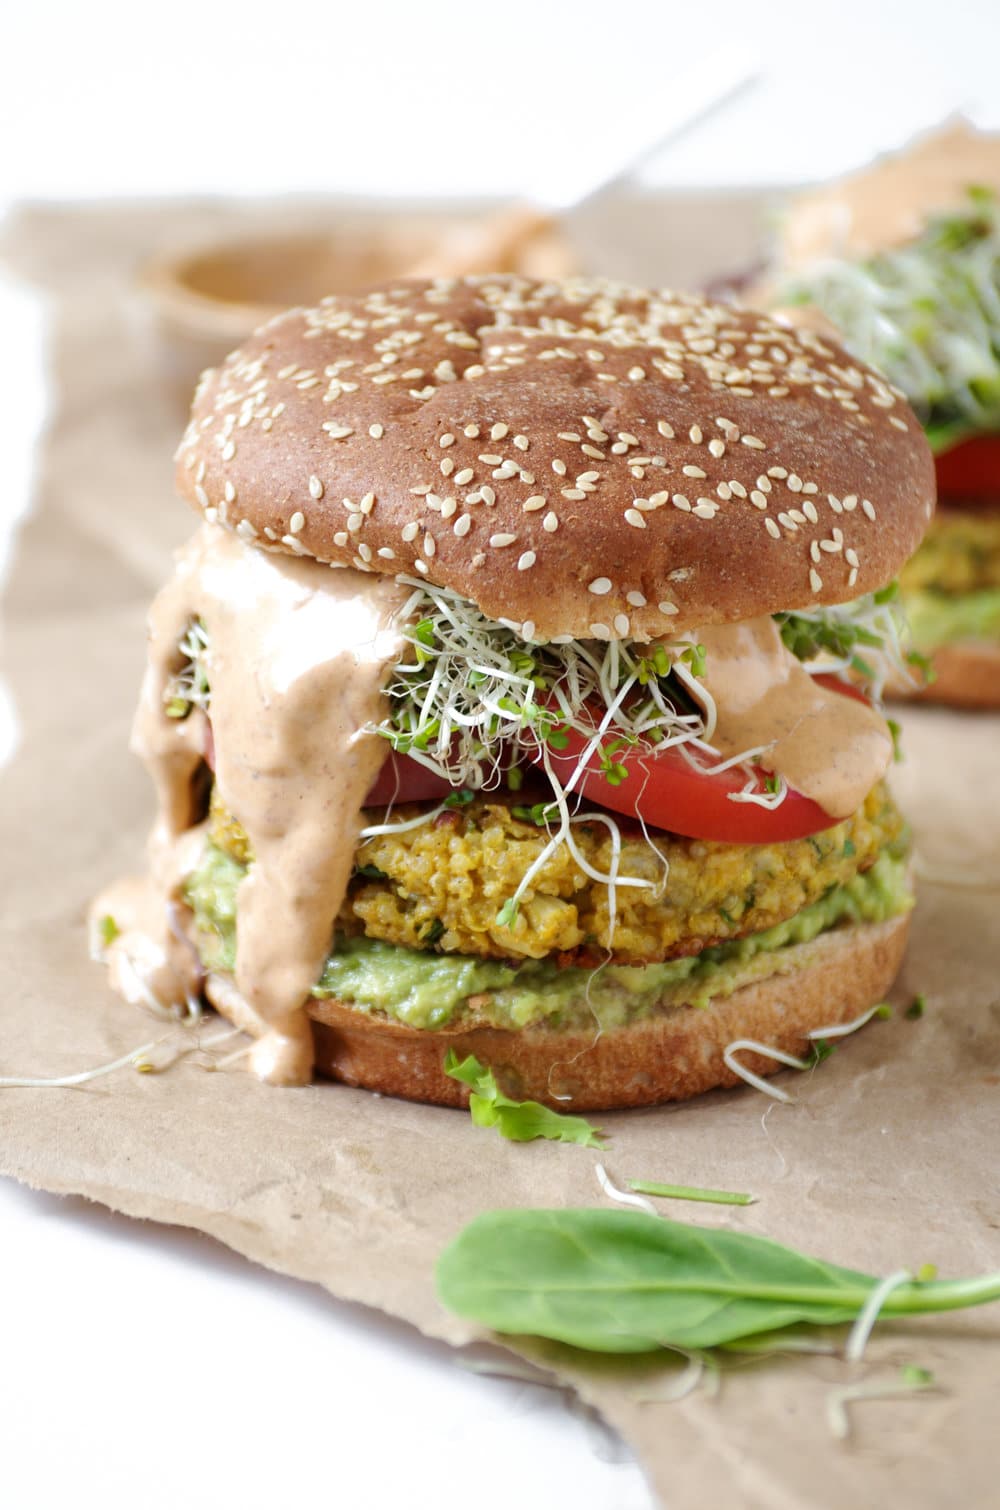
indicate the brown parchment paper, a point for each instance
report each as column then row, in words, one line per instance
column 888, row 1159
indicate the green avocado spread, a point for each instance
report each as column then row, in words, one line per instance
column 427, row 990
column 938, row 618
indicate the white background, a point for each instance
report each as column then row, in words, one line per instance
column 150, row 1368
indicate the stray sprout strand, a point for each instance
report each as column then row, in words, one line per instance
column 623, row 1197
column 842, row 1029
column 750, row 1045
column 837, row 1401
column 860, row 1332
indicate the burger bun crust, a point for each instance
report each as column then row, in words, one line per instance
column 671, row 1055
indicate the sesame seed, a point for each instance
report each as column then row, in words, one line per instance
column 337, row 432
column 633, row 517
column 809, row 509
column 569, row 435
column 788, row 522
column 815, row 580
column 779, row 472
column 230, row 492
column 297, row 523
column 528, row 629
column 447, row 466
column 246, row 530
column 462, row 525
column 550, row 523
column 724, row 491
column 201, row 495
column 758, row 499
column 772, row 528
column 488, row 496
column 665, row 429
column 464, row 476
column 717, row 447
column 850, row 502
column 705, row 508
column 851, row 556
column 636, row 599
column 764, row 483
column 636, row 374
column 430, row 545
column 853, row 576
column 446, row 440
column 667, row 608
column 340, row 538
column 355, row 523
column 814, row 551
column 600, row 631
column 753, row 442
column 228, row 451
column 695, row 435
column 559, row 467
column 794, row 483
column 472, row 431
column 680, row 502
column 737, row 489
column 410, row 531
column 868, row 508
column 498, row 431
column 376, row 432
column 693, row 471
column 621, row 623
column 574, row 493
column 387, row 553
column 536, row 501
column 526, row 561
column 421, row 567
column 600, row 586
column 498, row 541
column 490, row 460
column 448, row 507
column 422, row 490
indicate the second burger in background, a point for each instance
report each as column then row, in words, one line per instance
column 904, row 259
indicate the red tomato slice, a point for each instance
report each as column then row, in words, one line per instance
column 404, row 780
column 400, row 779
column 970, row 470
column 663, row 789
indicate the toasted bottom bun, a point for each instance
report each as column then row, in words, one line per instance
column 668, row 1056
column 966, row 675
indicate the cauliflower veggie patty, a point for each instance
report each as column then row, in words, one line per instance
column 440, row 886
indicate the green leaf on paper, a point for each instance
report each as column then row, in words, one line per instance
column 625, row 1282
column 521, row 1121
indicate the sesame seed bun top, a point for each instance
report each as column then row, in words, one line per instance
column 580, row 459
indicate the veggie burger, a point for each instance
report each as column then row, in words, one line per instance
column 518, row 694
column 904, row 258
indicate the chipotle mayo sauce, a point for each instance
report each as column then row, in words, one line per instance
column 829, row 747
column 889, row 203
column 297, row 661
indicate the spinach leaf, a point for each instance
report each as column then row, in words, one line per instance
column 521, row 1121
column 625, row 1282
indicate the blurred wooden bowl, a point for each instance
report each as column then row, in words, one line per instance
column 203, row 301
